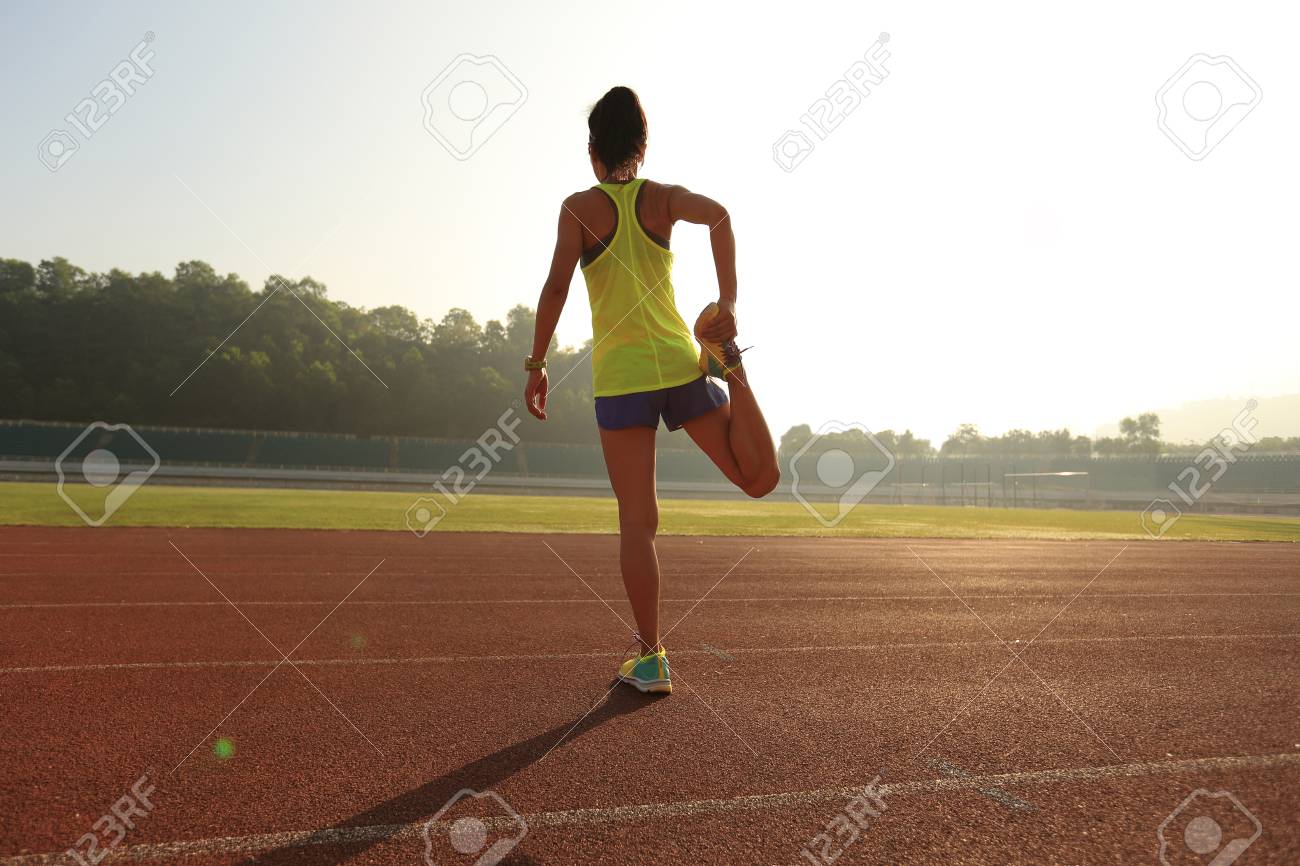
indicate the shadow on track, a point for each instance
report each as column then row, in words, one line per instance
column 422, row 803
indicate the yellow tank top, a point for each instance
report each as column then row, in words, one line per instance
column 641, row 341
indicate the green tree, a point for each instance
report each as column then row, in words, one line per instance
column 1141, row 435
column 964, row 440
column 16, row 277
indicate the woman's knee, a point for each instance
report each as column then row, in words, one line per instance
column 763, row 484
column 639, row 521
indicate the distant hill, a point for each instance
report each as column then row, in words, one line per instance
column 1199, row 420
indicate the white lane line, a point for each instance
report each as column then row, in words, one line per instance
column 593, row 654
column 54, row 605
column 993, row 792
column 254, row 843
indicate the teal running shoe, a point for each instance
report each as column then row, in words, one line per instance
column 648, row 673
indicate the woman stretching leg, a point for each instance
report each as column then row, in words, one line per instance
column 645, row 362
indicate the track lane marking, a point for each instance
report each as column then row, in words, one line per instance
column 993, row 792
column 254, row 663
column 60, row 605
column 253, row 843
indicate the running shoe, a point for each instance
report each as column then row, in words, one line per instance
column 647, row 673
column 718, row 360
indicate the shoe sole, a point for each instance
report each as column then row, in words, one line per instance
column 659, row 687
column 711, row 355
column 707, row 360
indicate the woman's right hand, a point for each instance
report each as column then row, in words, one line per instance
column 535, row 393
column 721, row 327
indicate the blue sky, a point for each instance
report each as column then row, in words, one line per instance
column 999, row 233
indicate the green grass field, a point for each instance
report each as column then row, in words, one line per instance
column 160, row 505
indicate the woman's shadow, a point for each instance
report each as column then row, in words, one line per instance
column 333, row 845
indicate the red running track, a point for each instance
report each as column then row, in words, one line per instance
column 1022, row 702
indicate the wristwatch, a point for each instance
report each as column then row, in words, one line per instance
column 530, row 364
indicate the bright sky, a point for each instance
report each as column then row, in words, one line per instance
column 999, row 233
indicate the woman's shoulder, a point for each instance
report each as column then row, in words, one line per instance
column 586, row 204
column 656, row 197
column 659, row 187
column 586, row 198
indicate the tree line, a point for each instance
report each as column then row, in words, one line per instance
column 1138, row 436
column 201, row 349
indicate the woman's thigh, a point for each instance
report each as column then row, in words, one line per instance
column 630, row 461
column 712, row 433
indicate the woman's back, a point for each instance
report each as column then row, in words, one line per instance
column 641, row 342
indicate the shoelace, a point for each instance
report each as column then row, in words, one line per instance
column 638, row 644
column 731, row 354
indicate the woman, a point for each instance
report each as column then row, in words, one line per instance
column 644, row 361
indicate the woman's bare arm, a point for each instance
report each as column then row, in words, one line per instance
column 555, row 291
column 691, row 207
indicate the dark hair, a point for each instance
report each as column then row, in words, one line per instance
column 617, row 129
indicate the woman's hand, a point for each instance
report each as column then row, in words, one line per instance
column 535, row 393
column 721, row 327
